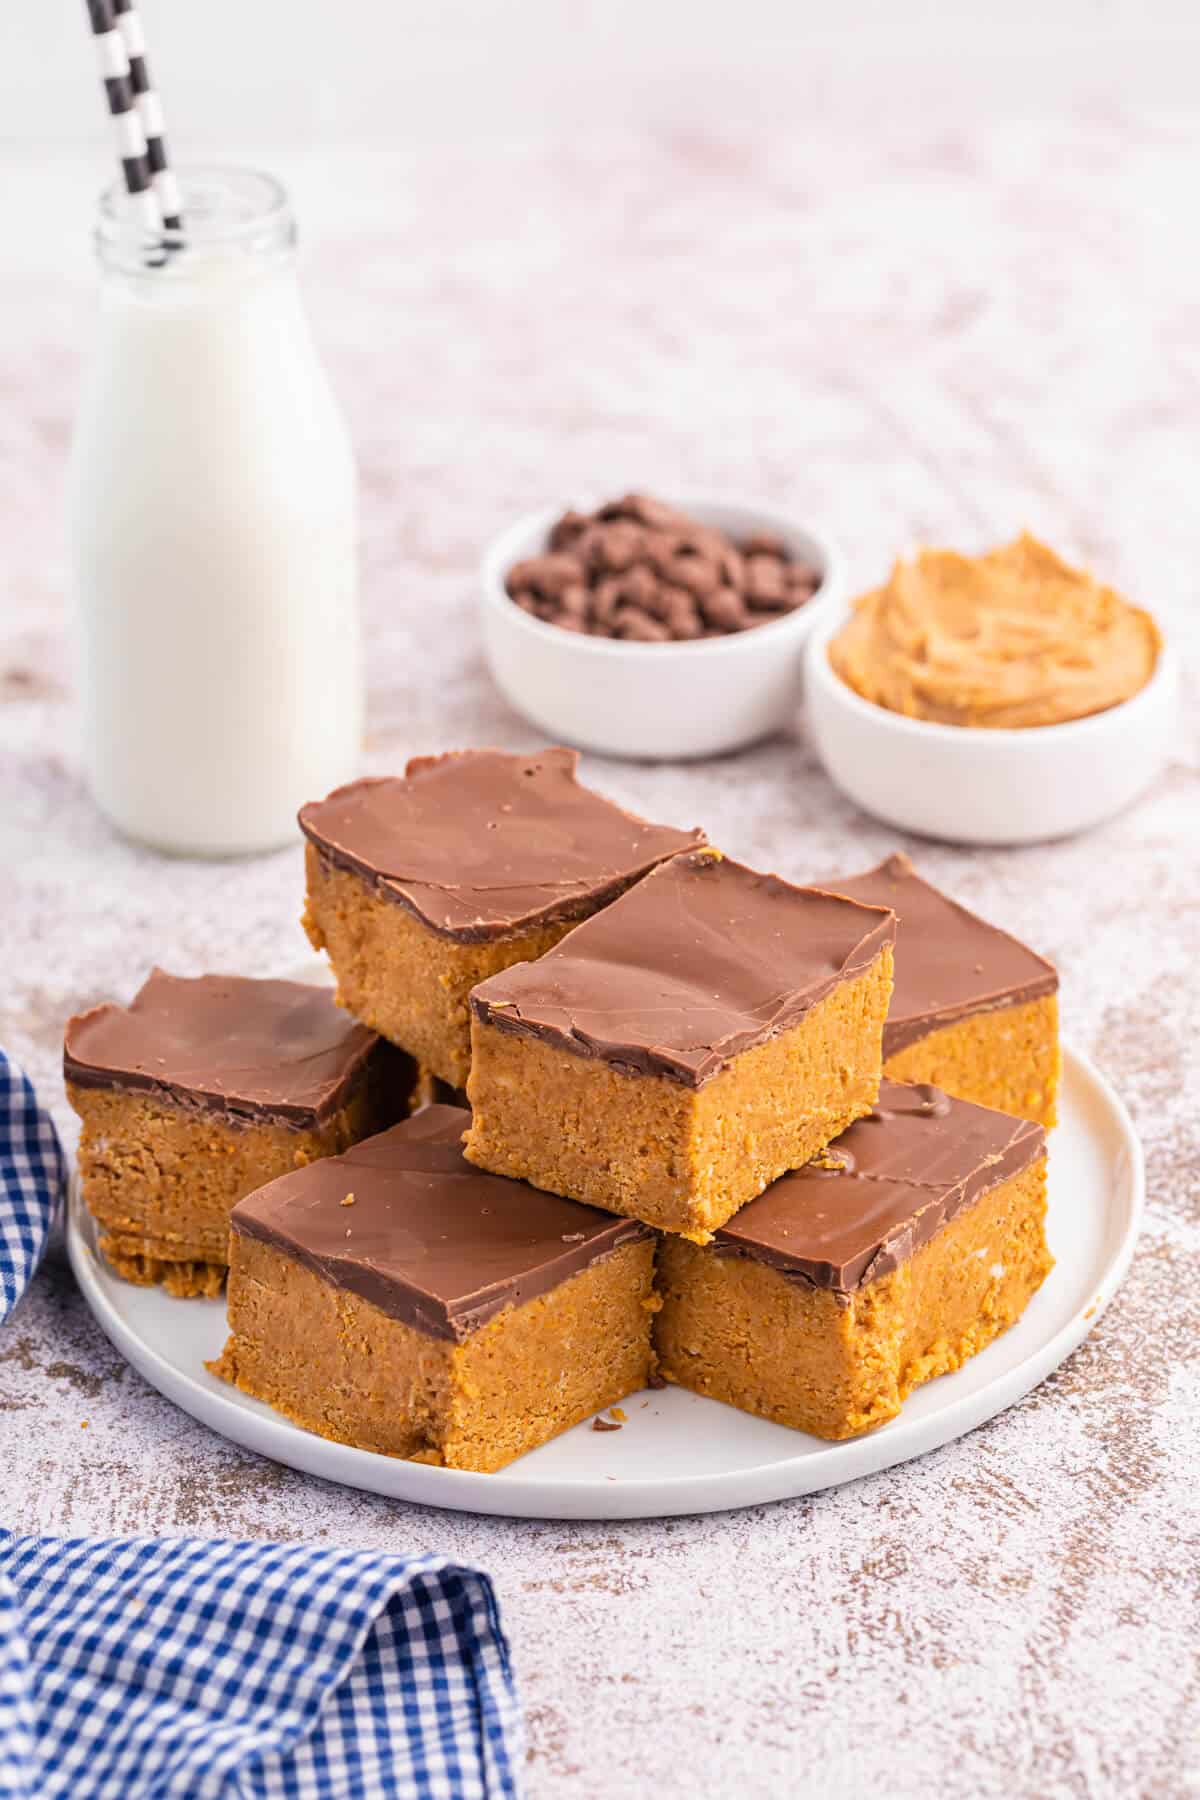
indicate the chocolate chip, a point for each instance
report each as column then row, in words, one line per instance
column 642, row 508
column 723, row 610
column 620, row 546
column 765, row 543
column 640, row 588
column 567, row 529
column 680, row 612
column 794, row 598
column 547, row 575
column 702, row 540
column 588, row 548
column 765, row 583
column 604, row 600
column 632, row 622
column 662, row 547
column 732, row 566
column 803, row 575
column 699, row 574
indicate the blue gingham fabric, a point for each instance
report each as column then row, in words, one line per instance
column 194, row 1669
column 32, row 1179
column 186, row 1669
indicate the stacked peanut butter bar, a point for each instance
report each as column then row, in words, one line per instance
column 706, row 1033
column 198, row 1092
column 973, row 1011
column 421, row 887
column 781, row 1145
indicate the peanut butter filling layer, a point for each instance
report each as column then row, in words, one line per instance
column 338, row 1365
column 405, row 981
column 161, row 1180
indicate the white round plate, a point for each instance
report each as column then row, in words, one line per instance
column 679, row 1453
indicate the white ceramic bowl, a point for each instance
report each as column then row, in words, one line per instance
column 657, row 702
column 979, row 786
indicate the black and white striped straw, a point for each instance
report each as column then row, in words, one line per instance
column 136, row 113
column 150, row 112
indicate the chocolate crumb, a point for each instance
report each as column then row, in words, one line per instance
column 605, row 1425
column 656, row 1380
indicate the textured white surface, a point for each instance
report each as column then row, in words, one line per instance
column 942, row 335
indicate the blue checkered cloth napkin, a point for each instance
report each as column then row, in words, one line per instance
column 194, row 1669
column 32, row 1180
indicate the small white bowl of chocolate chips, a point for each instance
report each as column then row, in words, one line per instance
column 656, row 629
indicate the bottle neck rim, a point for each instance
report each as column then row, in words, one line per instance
column 241, row 215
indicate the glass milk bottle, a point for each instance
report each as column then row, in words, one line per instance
column 211, row 519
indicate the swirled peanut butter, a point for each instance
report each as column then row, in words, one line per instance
column 1013, row 638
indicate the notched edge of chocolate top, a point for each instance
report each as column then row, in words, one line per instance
column 990, row 968
column 430, row 1240
column 882, row 1190
column 702, row 960
column 235, row 1046
column 485, row 844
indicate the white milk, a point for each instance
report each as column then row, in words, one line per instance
column 212, row 536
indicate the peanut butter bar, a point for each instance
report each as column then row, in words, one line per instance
column 420, row 887
column 675, row 1054
column 398, row 1299
column 904, row 1249
column 973, row 1010
column 199, row 1091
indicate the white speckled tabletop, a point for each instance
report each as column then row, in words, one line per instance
column 941, row 337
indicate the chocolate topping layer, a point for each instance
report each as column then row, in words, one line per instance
column 702, row 960
column 277, row 1050
column 949, row 963
column 428, row 1238
column 905, row 1171
column 482, row 845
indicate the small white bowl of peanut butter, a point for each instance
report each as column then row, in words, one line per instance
column 997, row 699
